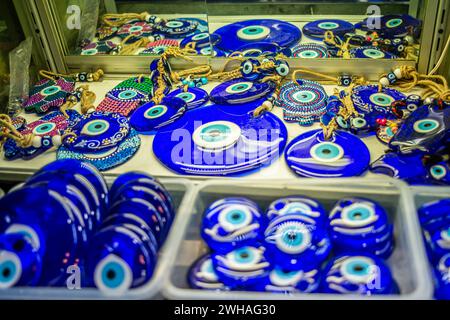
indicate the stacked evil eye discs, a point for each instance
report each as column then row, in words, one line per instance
column 286, row 249
column 302, row 101
column 435, row 220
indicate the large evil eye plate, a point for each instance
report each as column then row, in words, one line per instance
column 371, row 53
column 176, row 28
column 393, row 26
column 316, row 29
column 310, row 155
column 297, row 205
column 203, row 276
column 261, row 141
column 238, row 34
column 194, row 97
column 240, row 91
column 368, row 99
column 309, row 51
column 150, row 117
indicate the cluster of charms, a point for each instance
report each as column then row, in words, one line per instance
column 283, row 249
column 113, row 235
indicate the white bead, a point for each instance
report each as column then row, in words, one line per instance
column 398, row 73
column 409, row 40
column 56, row 140
column 384, row 82
column 37, row 141
column 428, row 100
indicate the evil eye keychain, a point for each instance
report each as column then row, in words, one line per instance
column 231, row 223
column 203, row 276
column 361, row 274
column 296, row 242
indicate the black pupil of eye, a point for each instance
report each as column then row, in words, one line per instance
column 253, row 30
column 6, row 272
column 240, row 87
column 438, row 170
column 98, row 126
column 358, row 268
column 111, row 274
column 326, row 151
column 19, row 245
column 357, row 215
column 235, row 216
column 155, row 111
column 292, row 236
column 244, row 255
column 45, row 127
column 427, row 125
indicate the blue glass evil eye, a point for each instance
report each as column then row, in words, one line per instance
column 442, row 271
column 240, row 91
column 297, row 205
column 202, row 275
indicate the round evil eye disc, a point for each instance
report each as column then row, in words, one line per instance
column 155, row 111
column 358, row 214
column 10, row 269
column 95, row 127
column 217, row 135
column 112, row 274
column 327, row 152
column 50, row 90
column 438, row 172
column 44, row 128
column 381, row 99
column 239, row 87
column 359, row 270
column 394, row 23
column 426, row 126
column 254, row 32
column 374, row 53
column 186, row 96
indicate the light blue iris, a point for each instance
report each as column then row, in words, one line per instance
column 292, row 237
column 253, row 30
column 358, row 214
column 127, row 94
column 327, row 151
column 358, row 268
column 244, row 255
column 7, row 271
column 113, row 275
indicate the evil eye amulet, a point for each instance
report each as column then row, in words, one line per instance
column 240, row 91
column 368, row 99
column 344, row 155
column 442, row 274
column 439, row 242
column 435, row 215
column 296, row 242
column 409, row 168
column 249, row 69
column 297, row 205
column 232, row 222
column 361, row 274
column 194, row 97
column 317, row 29
column 371, row 53
column 358, row 224
column 242, row 267
column 439, row 173
column 203, row 276
column 150, row 116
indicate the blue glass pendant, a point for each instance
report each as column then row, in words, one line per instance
column 371, row 53
column 176, row 28
column 425, row 130
column 214, row 141
column 358, row 274
column 441, row 272
column 240, row 91
column 298, row 205
column 296, row 242
column 125, row 178
column 309, row 51
column 200, row 40
column 393, row 26
column 435, row 215
column 405, row 167
column 367, row 99
column 258, row 49
column 316, row 29
column 151, row 116
column 194, row 97
column 232, row 223
column 242, row 267
column 439, row 173
column 203, row 276
column 238, row 34
column 344, row 155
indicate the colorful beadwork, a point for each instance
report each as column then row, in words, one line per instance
column 139, row 29
column 309, row 51
column 98, row 47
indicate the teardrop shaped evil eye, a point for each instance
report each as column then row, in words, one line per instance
column 304, row 96
column 358, row 215
column 381, row 99
column 358, row 270
column 200, row 36
column 155, row 111
column 186, row 96
column 235, row 217
column 374, row 54
column 328, row 25
column 174, row 24
column 239, row 87
column 247, row 67
column 282, row 69
column 50, row 90
column 127, row 94
column 438, row 172
column 411, row 107
column 112, row 273
column 216, row 135
column 293, row 238
column 327, row 152
column 89, row 52
column 426, row 126
column 255, row 32
column 394, row 23
column 44, row 128
column 10, row 269
column 95, row 127
column 308, row 54
column 341, row 122
column 359, row 123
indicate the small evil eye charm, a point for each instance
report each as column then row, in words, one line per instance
column 203, row 276
column 249, row 69
column 231, row 223
column 435, row 215
column 297, row 205
column 413, row 102
column 440, row 173
column 342, row 122
column 392, row 78
column 282, row 68
column 296, row 242
column 242, row 267
column 358, row 224
column 345, row 80
column 361, row 274
column 360, row 124
column 442, row 274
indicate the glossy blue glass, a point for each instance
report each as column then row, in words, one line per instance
column 239, row 91
column 442, row 271
column 176, row 28
column 435, row 215
column 194, row 97
column 368, row 99
column 393, row 26
column 202, row 275
column 316, row 29
column 405, row 167
column 371, row 53
column 125, row 178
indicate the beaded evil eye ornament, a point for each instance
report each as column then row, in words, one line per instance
column 127, row 96
column 47, row 94
column 98, row 47
column 139, row 28
column 309, row 51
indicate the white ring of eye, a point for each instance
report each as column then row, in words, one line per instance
column 438, row 176
column 247, row 84
column 85, row 130
column 382, row 104
column 128, row 275
column 52, row 127
column 314, row 155
column 357, row 223
column 242, row 33
column 374, row 54
column 359, row 125
column 29, row 233
column 286, row 69
column 419, row 122
column 297, row 228
column 328, row 25
column 357, row 278
column 162, row 107
column 7, row 256
column 230, row 227
column 229, row 138
column 411, row 107
column 247, row 65
column 174, row 24
column 200, row 36
column 189, row 96
column 312, row 96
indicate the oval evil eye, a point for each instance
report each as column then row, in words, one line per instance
column 113, row 273
column 243, row 257
column 282, row 69
column 359, row 123
column 293, row 237
column 235, row 217
column 411, row 107
column 359, row 270
column 127, row 94
column 304, row 96
column 327, row 152
column 50, row 90
column 200, row 36
column 186, row 96
column 358, row 215
column 394, row 23
column 253, row 32
column 400, row 48
column 44, row 128
column 381, row 99
column 155, row 111
column 95, row 127
column 328, row 25
column 10, row 269
column 426, row 126
column 374, row 54
column 308, row 54
column 438, row 172
column 174, row 24
column 247, row 67
column 239, row 87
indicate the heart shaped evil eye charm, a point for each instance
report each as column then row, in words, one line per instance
column 362, row 274
column 296, row 242
column 297, row 205
column 241, row 267
column 232, row 222
column 203, row 276
column 442, row 271
column 435, row 215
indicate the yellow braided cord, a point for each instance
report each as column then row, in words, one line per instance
column 119, row 19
